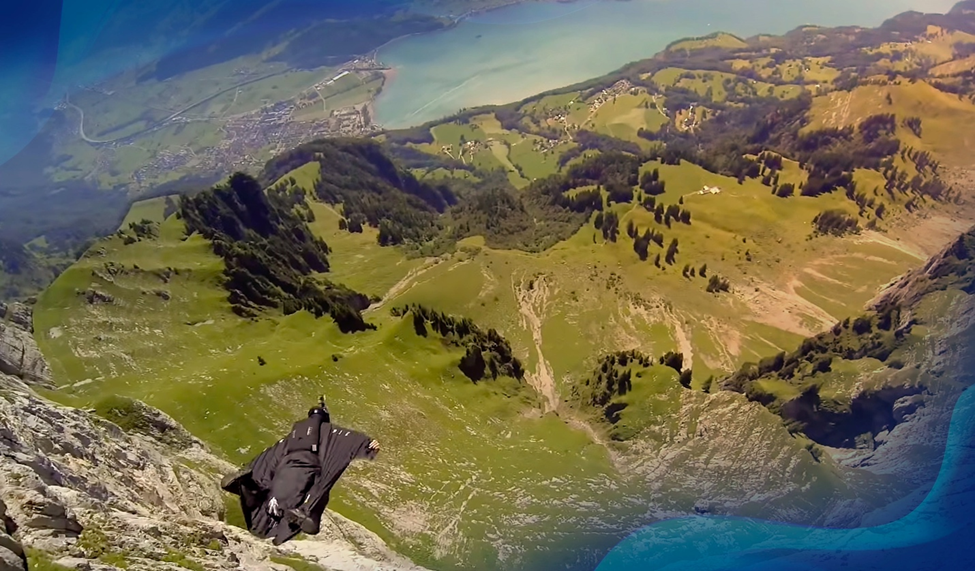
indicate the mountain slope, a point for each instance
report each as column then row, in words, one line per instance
column 693, row 212
column 125, row 486
column 198, row 360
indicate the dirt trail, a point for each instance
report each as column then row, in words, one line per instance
column 531, row 305
column 726, row 340
column 408, row 281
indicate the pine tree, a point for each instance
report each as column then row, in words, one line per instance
column 685, row 378
column 641, row 245
column 671, row 252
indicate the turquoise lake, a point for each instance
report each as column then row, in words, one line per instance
column 518, row 51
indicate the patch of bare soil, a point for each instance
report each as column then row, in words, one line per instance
column 532, row 301
column 784, row 309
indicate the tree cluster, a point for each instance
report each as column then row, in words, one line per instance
column 144, row 229
column 372, row 189
column 609, row 224
column 717, row 284
column 642, row 241
column 269, row 253
column 487, row 353
column 835, row 222
column 614, row 376
column 651, row 184
column 914, row 124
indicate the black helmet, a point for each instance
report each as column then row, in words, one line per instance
column 320, row 410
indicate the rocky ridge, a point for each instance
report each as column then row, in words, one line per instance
column 79, row 491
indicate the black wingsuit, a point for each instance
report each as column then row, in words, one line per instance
column 299, row 471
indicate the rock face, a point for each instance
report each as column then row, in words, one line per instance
column 18, row 314
column 90, row 495
column 955, row 261
column 12, row 556
column 19, row 355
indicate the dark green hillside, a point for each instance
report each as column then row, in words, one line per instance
column 371, row 188
column 487, row 353
column 271, row 255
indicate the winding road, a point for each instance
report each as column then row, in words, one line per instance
column 81, row 123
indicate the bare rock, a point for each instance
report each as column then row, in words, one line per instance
column 19, row 315
column 10, row 561
column 12, row 556
column 20, row 357
column 906, row 406
column 79, row 486
column 94, row 296
column 137, row 417
column 8, row 543
column 76, row 563
column 7, row 525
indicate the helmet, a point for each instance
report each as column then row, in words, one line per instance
column 320, row 410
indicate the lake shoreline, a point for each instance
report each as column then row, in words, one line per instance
column 539, row 45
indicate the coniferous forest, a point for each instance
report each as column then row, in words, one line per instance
column 270, row 253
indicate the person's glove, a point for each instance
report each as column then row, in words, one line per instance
column 274, row 509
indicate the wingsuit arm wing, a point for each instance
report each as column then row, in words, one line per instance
column 362, row 451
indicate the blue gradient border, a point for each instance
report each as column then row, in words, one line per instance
column 47, row 46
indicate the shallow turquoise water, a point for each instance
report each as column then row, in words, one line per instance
column 936, row 535
column 515, row 52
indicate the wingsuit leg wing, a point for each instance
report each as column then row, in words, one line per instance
column 252, row 484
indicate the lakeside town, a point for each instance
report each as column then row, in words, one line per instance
column 246, row 140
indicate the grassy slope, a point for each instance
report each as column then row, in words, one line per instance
column 477, row 447
column 192, row 357
column 948, row 123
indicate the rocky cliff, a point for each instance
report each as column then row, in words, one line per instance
column 19, row 355
column 80, row 492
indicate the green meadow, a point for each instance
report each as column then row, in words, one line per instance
column 469, row 466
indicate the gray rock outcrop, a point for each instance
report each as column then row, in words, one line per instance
column 12, row 557
column 18, row 314
column 19, row 355
column 90, row 495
